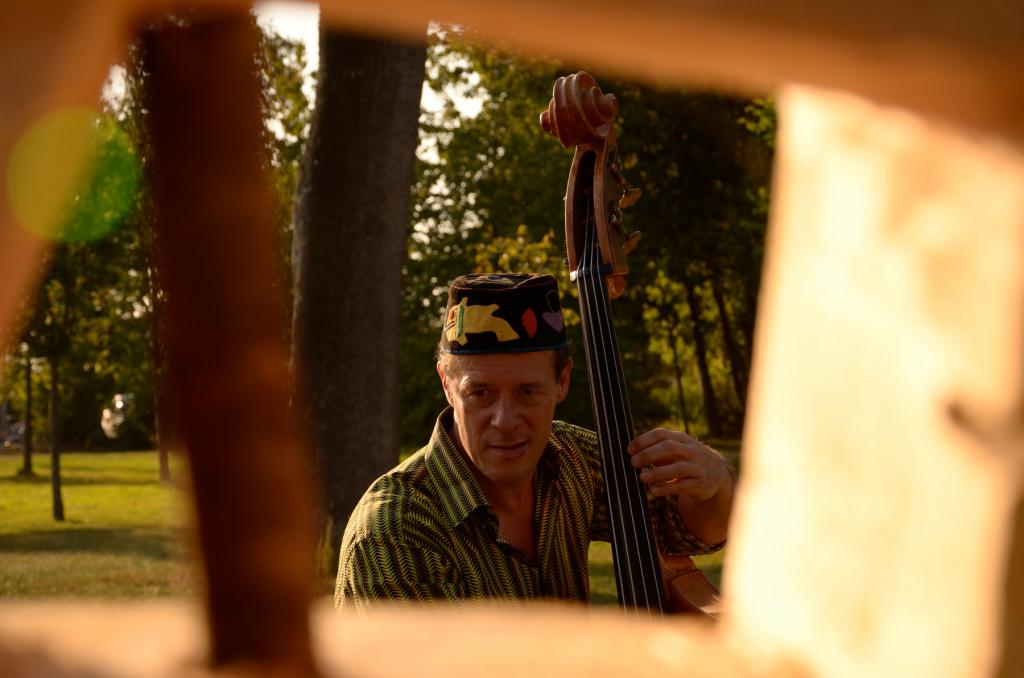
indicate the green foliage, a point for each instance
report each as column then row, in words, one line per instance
column 73, row 176
column 110, row 190
column 91, row 315
column 759, row 117
column 489, row 196
column 100, row 296
column 287, row 112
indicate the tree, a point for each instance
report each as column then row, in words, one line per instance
column 287, row 113
column 281, row 63
column 81, row 302
column 54, row 319
column 26, row 438
column 114, row 296
column 351, row 219
column 703, row 163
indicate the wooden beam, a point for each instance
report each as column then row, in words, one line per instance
column 228, row 364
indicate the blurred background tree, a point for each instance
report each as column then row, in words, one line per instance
column 89, row 333
column 488, row 196
column 351, row 218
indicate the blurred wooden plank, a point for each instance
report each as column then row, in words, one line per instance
column 227, row 371
column 54, row 55
column 959, row 60
column 166, row 639
column 887, row 401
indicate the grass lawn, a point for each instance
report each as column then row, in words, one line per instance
column 122, row 537
column 602, row 572
column 125, row 537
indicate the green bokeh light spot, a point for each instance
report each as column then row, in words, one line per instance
column 73, row 176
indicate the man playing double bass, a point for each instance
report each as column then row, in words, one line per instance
column 503, row 501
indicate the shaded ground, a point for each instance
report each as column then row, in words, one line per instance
column 123, row 536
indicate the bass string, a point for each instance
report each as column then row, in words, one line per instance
column 633, row 519
column 638, row 527
column 624, row 564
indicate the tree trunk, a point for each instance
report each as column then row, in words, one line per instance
column 678, row 367
column 746, row 321
column 162, row 427
column 26, row 438
column 352, row 216
column 163, row 408
column 737, row 366
column 161, row 444
column 710, row 402
column 58, row 501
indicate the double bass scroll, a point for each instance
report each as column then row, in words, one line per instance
column 579, row 114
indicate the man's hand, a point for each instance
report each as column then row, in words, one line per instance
column 699, row 477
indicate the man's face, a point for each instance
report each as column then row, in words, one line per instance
column 504, row 404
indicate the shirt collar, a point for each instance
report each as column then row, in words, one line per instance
column 456, row 486
column 452, row 477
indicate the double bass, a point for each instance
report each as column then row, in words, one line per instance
column 649, row 582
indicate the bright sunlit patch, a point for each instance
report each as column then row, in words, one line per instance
column 73, row 176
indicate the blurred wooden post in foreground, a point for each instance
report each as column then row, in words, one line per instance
column 882, row 464
column 228, row 366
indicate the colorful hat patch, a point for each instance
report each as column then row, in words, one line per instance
column 463, row 320
column 503, row 313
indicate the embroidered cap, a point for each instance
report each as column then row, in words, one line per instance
column 502, row 313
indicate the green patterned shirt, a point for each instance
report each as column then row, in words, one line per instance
column 424, row 530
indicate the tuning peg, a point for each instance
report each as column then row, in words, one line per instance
column 629, row 197
column 616, row 285
column 629, row 194
column 615, row 215
column 631, row 242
